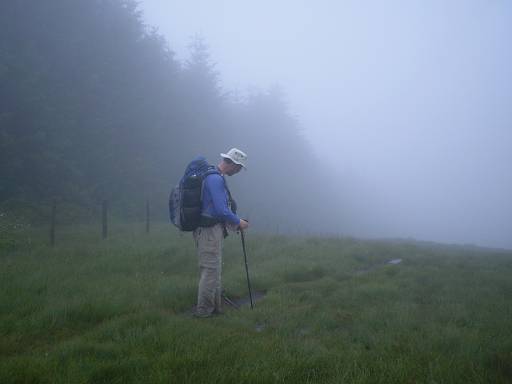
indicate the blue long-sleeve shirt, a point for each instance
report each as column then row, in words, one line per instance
column 215, row 199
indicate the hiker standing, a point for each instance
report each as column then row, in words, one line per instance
column 218, row 212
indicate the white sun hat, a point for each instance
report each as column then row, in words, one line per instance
column 236, row 156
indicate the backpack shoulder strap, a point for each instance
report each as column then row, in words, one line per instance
column 212, row 170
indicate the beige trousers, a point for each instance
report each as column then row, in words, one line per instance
column 209, row 249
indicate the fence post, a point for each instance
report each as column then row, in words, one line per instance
column 104, row 219
column 147, row 216
column 52, row 222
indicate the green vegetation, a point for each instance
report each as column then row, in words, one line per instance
column 118, row 311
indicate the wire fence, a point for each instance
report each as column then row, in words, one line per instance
column 103, row 223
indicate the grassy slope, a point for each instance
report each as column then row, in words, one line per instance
column 115, row 311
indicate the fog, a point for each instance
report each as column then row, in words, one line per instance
column 408, row 104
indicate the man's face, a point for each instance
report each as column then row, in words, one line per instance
column 233, row 169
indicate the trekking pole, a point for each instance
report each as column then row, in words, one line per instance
column 246, row 267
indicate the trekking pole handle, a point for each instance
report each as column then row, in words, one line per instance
column 239, row 228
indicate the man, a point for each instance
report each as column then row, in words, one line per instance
column 216, row 215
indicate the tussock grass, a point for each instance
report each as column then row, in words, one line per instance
column 116, row 311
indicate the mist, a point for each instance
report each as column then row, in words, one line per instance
column 406, row 105
column 362, row 120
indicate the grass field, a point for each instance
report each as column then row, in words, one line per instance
column 117, row 311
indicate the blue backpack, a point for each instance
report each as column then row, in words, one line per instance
column 186, row 198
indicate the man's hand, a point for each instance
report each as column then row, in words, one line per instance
column 243, row 224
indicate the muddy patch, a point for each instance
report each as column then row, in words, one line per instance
column 238, row 302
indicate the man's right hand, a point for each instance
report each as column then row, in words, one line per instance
column 243, row 224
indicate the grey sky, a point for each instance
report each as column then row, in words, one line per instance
column 411, row 100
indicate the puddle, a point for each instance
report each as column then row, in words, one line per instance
column 237, row 302
column 377, row 266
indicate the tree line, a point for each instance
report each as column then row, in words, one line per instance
column 94, row 105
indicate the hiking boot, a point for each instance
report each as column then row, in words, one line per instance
column 202, row 315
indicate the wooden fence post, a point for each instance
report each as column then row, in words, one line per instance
column 147, row 216
column 105, row 219
column 52, row 222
